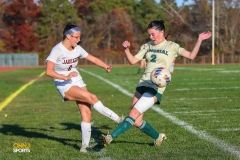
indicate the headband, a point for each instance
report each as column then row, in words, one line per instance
column 70, row 31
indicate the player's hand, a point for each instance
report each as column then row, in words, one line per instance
column 108, row 69
column 72, row 74
column 205, row 35
column 126, row 44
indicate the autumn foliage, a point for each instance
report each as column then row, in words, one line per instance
column 20, row 19
column 36, row 25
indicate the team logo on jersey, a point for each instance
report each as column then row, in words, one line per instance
column 158, row 51
column 70, row 61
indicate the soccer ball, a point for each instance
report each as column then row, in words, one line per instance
column 161, row 77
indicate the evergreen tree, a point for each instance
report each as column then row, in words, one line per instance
column 55, row 14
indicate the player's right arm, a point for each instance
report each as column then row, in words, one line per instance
column 131, row 59
column 51, row 73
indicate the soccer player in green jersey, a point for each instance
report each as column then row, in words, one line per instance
column 158, row 52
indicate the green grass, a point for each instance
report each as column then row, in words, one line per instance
column 204, row 97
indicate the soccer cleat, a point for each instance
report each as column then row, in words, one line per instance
column 121, row 119
column 158, row 141
column 85, row 149
column 107, row 139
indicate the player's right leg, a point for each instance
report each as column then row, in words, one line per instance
column 76, row 93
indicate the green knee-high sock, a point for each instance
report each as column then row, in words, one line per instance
column 139, row 70
column 123, row 127
column 149, row 130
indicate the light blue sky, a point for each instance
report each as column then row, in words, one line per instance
column 179, row 2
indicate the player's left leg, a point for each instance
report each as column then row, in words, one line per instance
column 85, row 113
column 150, row 131
column 144, row 103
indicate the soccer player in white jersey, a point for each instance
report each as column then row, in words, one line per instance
column 157, row 52
column 61, row 65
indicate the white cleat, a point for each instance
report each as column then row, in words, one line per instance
column 158, row 141
column 85, row 149
column 120, row 120
column 107, row 139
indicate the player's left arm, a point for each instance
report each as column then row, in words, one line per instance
column 193, row 53
column 98, row 62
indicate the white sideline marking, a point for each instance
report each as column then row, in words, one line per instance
column 208, row 111
column 198, row 69
column 201, row 134
column 201, row 69
column 233, row 71
column 190, row 99
column 187, row 89
column 229, row 129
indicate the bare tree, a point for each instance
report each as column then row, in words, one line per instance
column 227, row 26
column 108, row 33
column 188, row 21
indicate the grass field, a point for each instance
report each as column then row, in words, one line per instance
column 199, row 113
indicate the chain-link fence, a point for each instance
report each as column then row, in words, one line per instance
column 33, row 60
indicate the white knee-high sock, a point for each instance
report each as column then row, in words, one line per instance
column 86, row 132
column 106, row 111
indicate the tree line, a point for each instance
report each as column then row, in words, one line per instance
column 35, row 26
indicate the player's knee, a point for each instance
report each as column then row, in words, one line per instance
column 134, row 113
column 69, row 98
column 93, row 98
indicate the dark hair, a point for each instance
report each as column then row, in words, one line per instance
column 68, row 27
column 157, row 24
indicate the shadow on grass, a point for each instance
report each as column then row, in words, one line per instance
column 95, row 142
column 16, row 130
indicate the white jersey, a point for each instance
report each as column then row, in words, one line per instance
column 66, row 61
column 161, row 55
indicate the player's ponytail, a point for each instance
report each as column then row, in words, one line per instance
column 167, row 36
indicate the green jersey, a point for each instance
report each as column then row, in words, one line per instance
column 161, row 55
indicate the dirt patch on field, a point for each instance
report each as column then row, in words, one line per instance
column 7, row 68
